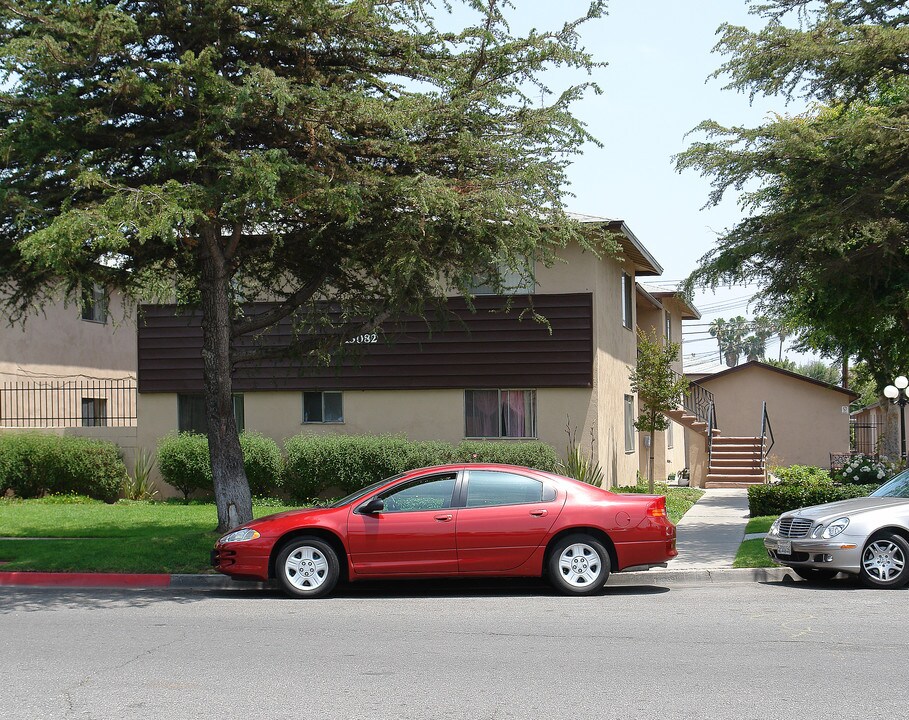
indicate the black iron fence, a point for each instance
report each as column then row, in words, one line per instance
column 864, row 438
column 83, row 403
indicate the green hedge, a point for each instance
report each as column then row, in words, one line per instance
column 316, row 463
column 35, row 464
column 780, row 498
column 525, row 454
column 184, row 462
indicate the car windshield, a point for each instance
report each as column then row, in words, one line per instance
column 362, row 492
column 898, row 486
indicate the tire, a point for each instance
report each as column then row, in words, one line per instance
column 885, row 561
column 578, row 565
column 815, row 575
column 307, row 567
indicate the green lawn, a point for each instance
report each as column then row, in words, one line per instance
column 679, row 500
column 91, row 536
column 752, row 553
column 96, row 537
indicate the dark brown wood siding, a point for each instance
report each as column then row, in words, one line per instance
column 489, row 348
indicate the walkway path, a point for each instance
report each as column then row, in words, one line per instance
column 710, row 533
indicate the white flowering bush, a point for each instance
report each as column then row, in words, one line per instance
column 864, row 470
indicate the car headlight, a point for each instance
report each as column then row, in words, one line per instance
column 775, row 528
column 240, row 536
column 835, row 528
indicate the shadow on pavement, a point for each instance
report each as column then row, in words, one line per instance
column 379, row 589
column 36, row 599
column 841, row 583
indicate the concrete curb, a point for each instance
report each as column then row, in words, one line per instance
column 133, row 581
column 691, row 576
column 699, row 576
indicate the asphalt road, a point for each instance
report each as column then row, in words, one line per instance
column 456, row 650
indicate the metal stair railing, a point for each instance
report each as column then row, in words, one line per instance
column 766, row 430
column 696, row 400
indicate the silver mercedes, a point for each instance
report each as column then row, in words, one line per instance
column 868, row 537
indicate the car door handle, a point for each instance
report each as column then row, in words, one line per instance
column 443, row 518
column 539, row 513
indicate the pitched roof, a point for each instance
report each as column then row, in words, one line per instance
column 689, row 311
column 632, row 248
column 764, row 366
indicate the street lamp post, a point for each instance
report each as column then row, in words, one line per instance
column 899, row 394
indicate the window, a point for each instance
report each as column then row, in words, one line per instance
column 668, row 327
column 192, row 417
column 94, row 304
column 486, row 488
column 322, row 407
column 500, row 413
column 94, row 412
column 432, row 493
column 513, row 282
column 669, row 441
column 627, row 300
column 629, row 423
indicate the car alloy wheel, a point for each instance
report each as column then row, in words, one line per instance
column 578, row 565
column 307, row 567
column 884, row 561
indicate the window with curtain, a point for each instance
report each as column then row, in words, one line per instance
column 500, row 413
column 514, row 282
column 627, row 300
column 322, row 407
column 94, row 303
column 191, row 415
column 629, row 423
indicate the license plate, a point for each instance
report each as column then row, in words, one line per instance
column 784, row 547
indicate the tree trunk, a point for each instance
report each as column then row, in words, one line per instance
column 650, row 465
column 889, row 432
column 232, row 496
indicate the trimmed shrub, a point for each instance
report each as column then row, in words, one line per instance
column 90, row 467
column 262, row 462
column 35, row 464
column 315, row 463
column 803, row 475
column 780, row 498
column 184, row 462
column 530, row 454
column 863, row 470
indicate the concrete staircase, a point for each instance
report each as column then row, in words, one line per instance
column 683, row 417
column 735, row 462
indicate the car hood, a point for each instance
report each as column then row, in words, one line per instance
column 855, row 506
column 301, row 513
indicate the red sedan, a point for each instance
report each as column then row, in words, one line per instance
column 456, row 520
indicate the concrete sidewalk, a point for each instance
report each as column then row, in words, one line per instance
column 710, row 533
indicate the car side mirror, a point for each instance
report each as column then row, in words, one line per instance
column 376, row 505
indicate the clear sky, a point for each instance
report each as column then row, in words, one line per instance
column 655, row 90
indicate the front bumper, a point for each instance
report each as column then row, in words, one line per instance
column 842, row 553
column 242, row 560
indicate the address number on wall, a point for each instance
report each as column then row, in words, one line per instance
column 366, row 339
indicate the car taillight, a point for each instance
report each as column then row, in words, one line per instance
column 657, row 508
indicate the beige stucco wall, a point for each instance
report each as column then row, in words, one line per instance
column 808, row 420
column 420, row 414
column 57, row 344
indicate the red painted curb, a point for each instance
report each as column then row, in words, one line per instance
column 109, row 580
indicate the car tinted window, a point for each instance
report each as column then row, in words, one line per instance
column 363, row 492
column 897, row 487
column 431, row 493
column 486, row 488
